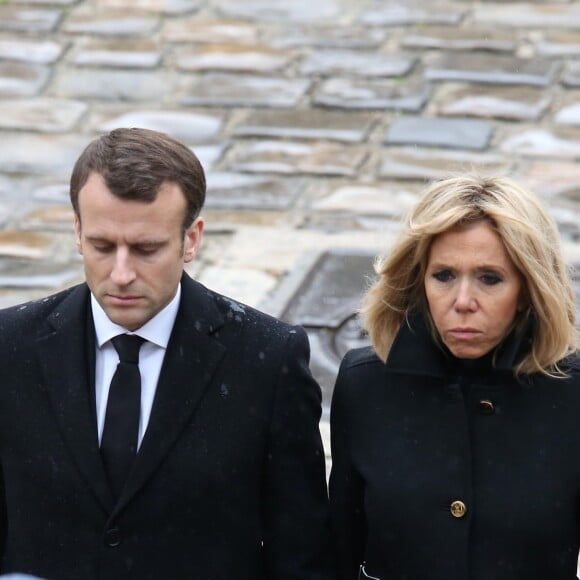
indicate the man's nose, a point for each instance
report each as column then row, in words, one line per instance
column 123, row 271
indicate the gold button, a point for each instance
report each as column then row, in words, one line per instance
column 486, row 407
column 458, row 509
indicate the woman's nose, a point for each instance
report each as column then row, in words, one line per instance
column 465, row 299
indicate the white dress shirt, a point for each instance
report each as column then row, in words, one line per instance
column 156, row 333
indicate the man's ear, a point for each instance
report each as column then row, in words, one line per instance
column 77, row 223
column 193, row 238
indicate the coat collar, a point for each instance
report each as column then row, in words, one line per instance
column 192, row 356
column 63, row 353
column 414, row 351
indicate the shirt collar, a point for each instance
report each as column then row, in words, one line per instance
column 157, row 330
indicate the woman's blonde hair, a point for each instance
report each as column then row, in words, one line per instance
column 531, row 240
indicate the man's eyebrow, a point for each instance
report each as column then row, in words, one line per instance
column 149, row 243
column 98, row 239
column 146, row 243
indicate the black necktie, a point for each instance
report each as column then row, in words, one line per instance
column 121, row 430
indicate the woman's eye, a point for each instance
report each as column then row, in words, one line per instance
column 490, row 279
column 443, row 275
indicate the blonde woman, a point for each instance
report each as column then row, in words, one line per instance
column 456, row 436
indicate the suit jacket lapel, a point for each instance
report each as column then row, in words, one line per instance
column 62, row 353
column 190, row 361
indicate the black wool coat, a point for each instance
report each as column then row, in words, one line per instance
column 451, row 471
column 229, row 480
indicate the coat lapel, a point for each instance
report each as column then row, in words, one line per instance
column 62, row 353
column 192, row 357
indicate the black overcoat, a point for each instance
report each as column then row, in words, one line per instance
column 229, row 479
column 413, row 437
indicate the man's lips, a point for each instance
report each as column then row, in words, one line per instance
column 123, row 299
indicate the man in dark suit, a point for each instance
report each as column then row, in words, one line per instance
column 222, row 477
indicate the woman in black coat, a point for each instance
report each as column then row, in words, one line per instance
column 456, row 436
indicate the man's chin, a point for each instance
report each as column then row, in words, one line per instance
column 131, row 320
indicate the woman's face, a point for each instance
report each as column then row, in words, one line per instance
column 473, row 289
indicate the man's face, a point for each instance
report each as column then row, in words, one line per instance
column 133, row 252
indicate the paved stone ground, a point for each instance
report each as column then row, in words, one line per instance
column 318, row 123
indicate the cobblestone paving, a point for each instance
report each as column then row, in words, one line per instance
column 318, row 123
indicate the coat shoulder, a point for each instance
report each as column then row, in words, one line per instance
column 216, row 310
column 235, row 311
column 25, row 315
column 572, row 362
column 365, row 356
column 571, row 366
column 360, row 369
column 253, row 326
column 360, row 374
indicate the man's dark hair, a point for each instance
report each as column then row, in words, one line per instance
column 135, row 163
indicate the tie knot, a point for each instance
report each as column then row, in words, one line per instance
column 127, row 347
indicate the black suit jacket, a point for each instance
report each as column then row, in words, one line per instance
column 229, row 480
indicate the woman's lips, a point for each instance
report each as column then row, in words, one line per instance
column 464, row 333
